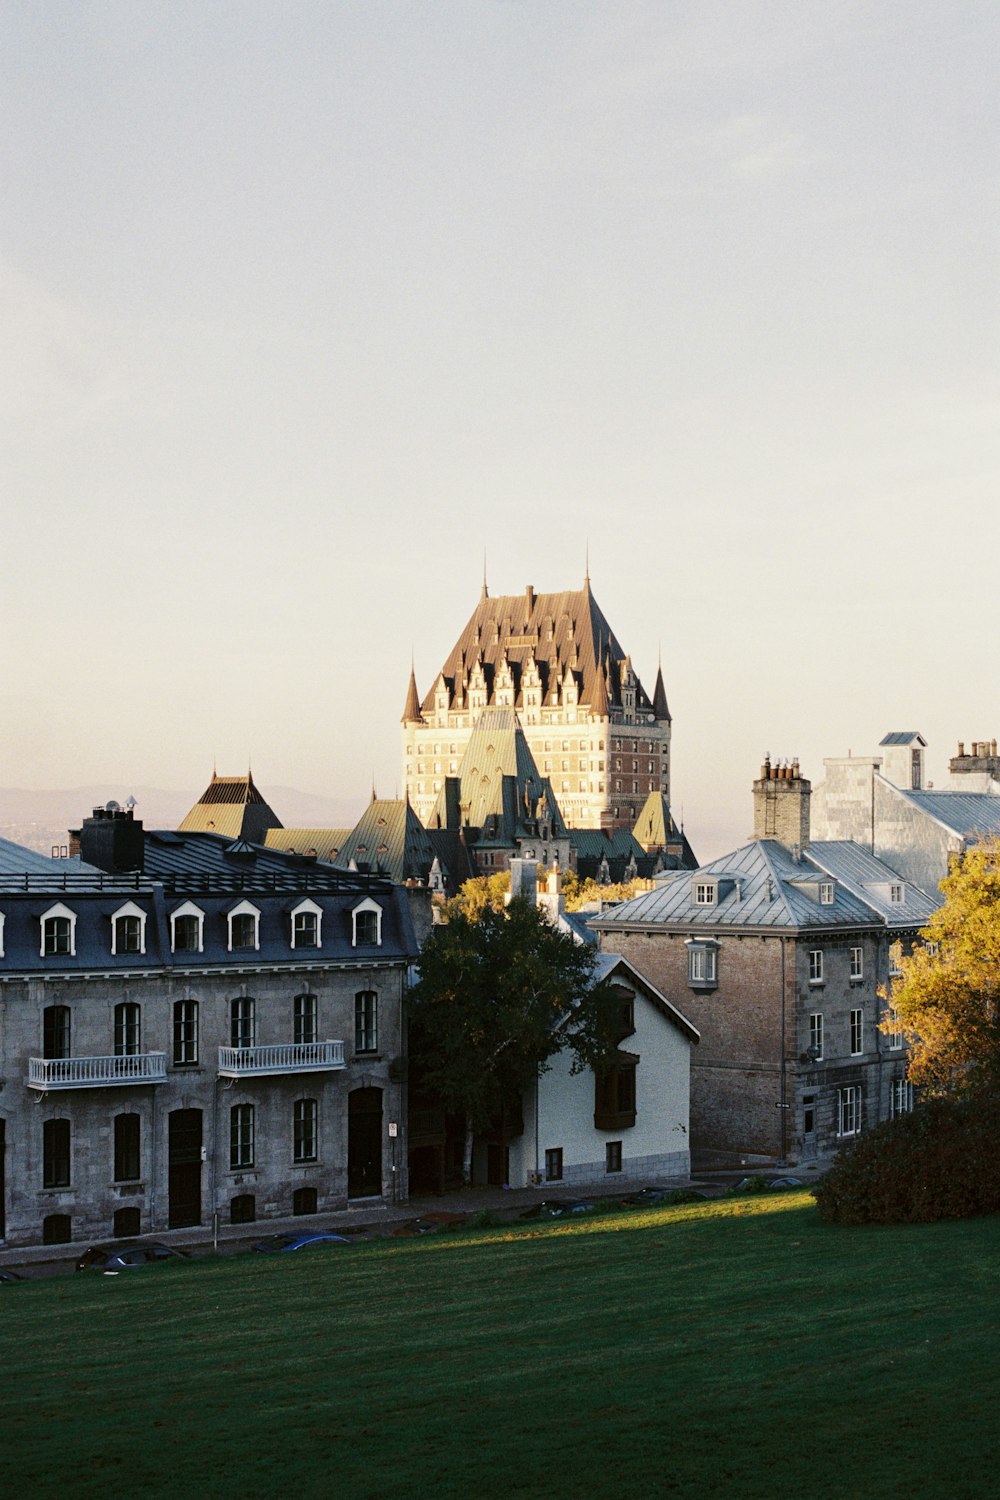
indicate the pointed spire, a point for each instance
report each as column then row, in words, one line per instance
column 586, row 566
column 486, row 592
column 411, row 711
column 599, row 707
column 660, row 708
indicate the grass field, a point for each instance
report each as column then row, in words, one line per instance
column 738, row 1348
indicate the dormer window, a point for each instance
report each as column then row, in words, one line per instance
column 705, row 893
column 128, row 929
column 187, row 928
column 244, row 927
column 896, row 895
column 366, row 924
column 307, row 920
column 58, row 932
column 826, row 892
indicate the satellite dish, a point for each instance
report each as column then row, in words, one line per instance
column 112, row 806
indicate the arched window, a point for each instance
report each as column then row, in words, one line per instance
column 128, row 929
column 58, row 932
column 305, row 1201
column 243, row 1209
column 367, row 924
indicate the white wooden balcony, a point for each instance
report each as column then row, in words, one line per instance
column 287, row 1057
column 96, row 1072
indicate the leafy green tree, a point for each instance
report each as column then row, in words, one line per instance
column 947, row 1000
column 477, row 894
column 497, row 996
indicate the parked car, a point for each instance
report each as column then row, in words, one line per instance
column 126, row 1254
column 643, row 1197
column 556, row 1208
column 429, row 1224
column 279, row 1244
column 6, row 1276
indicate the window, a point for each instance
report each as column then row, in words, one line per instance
column 243, row 1209
column 128, row 929
column 901, row 1101
column 56, row 1229
column 704, row 893
column 896, row 894
column 367, row 924
column 306, row 925
column 554, row 1164
column 613, row 1156
column 187, row 926
column 849, row 1110
column 55, row 1153
column 305, row 1019
column 816, row 966
column 614, row 1095
column 366, row 1021
column 895, row 1030
column 58, row 933
column 127, row 1223
column 242, row 1021
column 305, row 1201
column 857, row 965
column 702, row 965
column 305, row 1130
column 127, row 1029
column 55, row 1031
column 241, row 1125
column 816, row 1035
column 244, row 926
column 185, row 1033
column 857, row 1033
column 826, row 893
column 809, row 1114
column 127, row 1148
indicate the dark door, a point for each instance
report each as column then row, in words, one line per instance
column 184, row 1168
column 364, row 1143
column 497, row 1165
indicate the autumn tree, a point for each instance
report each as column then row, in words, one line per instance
column 497, row 996
column 947, row 1000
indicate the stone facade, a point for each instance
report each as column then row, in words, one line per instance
column 195, row 1046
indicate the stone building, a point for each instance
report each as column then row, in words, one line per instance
column 594, row 731
column 777, row 953
column 195, row 1026
column 883, row 802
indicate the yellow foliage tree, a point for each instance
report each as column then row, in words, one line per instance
column 947, row 1000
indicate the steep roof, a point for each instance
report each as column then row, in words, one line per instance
column 873, row 880
column 660, row 707
column 499, row 789
column 233, row 807
column 556, row 631
column 388, row 839
column 411, row 708
column 903, row 737
column 971, row 815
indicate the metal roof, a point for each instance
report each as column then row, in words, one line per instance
column 323, row 843
column 970, row 814
column 760, row 886
column 903, row 737
column 15, row 859
column 873, row 880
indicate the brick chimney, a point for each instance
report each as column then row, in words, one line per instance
column 781, row 804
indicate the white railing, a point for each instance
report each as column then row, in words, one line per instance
column 96, row 1072
column 289, row 1057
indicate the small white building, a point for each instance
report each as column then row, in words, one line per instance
column 626, row 1125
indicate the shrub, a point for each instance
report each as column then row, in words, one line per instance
column 937, row 1163
column 758, row 1183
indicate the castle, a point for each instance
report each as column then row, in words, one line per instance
column 595, row 734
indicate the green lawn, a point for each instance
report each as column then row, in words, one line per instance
column 738, row 1348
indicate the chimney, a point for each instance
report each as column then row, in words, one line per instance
column 524, row 879
column 781, row 805
column 112, row 839
column 529, row 594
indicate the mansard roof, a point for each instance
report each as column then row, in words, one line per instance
column 388, row 839
column 554, row 631
column 233, row 807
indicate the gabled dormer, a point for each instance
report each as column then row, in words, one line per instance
column 128, row 929
column 307, row 925
column 187, row 928
column 366, row 924
column 244, row 927
column 709, row 889
column 58, row 932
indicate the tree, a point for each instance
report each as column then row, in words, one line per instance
column 497, row 997
column 478, row 893
column 947, row 1001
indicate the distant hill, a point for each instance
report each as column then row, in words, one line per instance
column 41, row 820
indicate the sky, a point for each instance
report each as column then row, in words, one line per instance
column 307, row 308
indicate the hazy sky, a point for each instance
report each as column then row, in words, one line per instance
column 306, row 305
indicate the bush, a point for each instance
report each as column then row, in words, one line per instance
column 758, row 1183
column 937, row 1163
